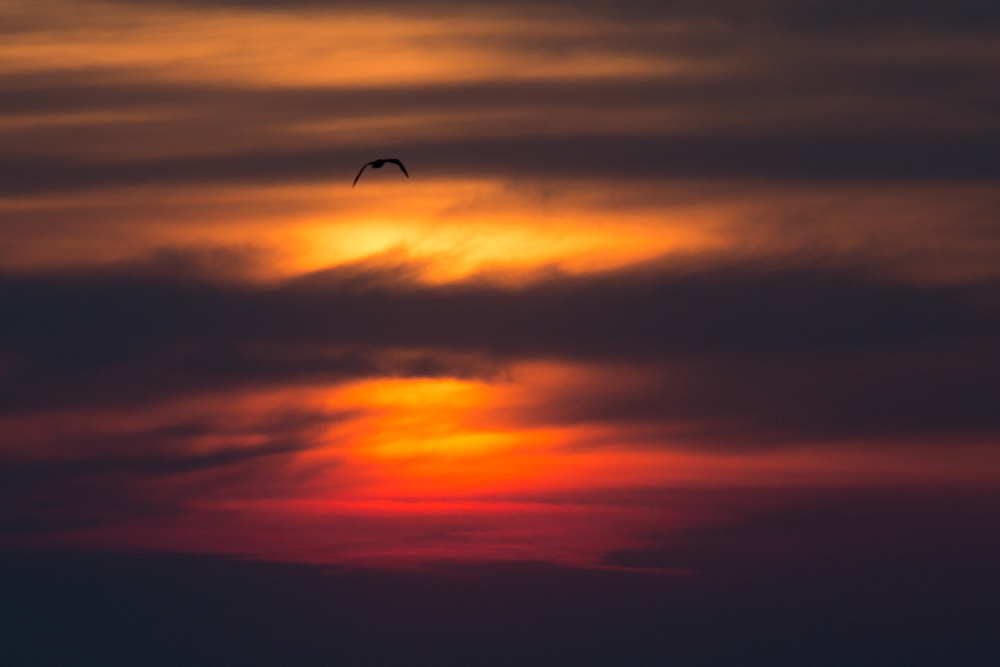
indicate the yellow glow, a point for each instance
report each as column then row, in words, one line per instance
column 461, row 228
column 425, row 470
column 452, row 229
column 507, row 230
column 448, row 440
column 422, row 418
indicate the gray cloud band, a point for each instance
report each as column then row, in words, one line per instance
column 802, row 15
column 814, row 353
column 809, row 158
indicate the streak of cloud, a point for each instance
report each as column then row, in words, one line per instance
column 99, row 474
column 818, row 352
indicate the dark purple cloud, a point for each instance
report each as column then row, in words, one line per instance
column 802, row 15
column 752, row 347
column 96, row 475
column 810, row 158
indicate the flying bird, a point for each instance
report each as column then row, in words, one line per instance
column 377, row 164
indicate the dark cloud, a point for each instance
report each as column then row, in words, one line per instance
column 95, row 477
column 784, row 351
column 823, row 71
column 805, row 158
column 933, row 14
column 731, row 403
column 755, row 532
column 94, row 317
column 809, row 14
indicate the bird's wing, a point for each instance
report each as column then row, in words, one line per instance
column 395, row 161
column 359, row 175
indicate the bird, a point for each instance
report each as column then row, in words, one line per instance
column 377, row 164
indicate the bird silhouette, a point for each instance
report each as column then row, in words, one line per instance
column 377, row 164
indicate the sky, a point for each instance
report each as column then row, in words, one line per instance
column 676, row 294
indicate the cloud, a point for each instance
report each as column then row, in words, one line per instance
column 91, row 317
column 767, row 348
column 809, row 158
column 729, row 403
column 761, row 532
column 100, row 474
column 696, row 99
column 812, row 14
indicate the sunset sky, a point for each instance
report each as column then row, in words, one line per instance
column 674, row 290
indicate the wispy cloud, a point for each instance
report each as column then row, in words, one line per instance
column 101, row 474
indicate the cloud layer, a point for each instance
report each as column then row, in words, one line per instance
column 817, row 351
